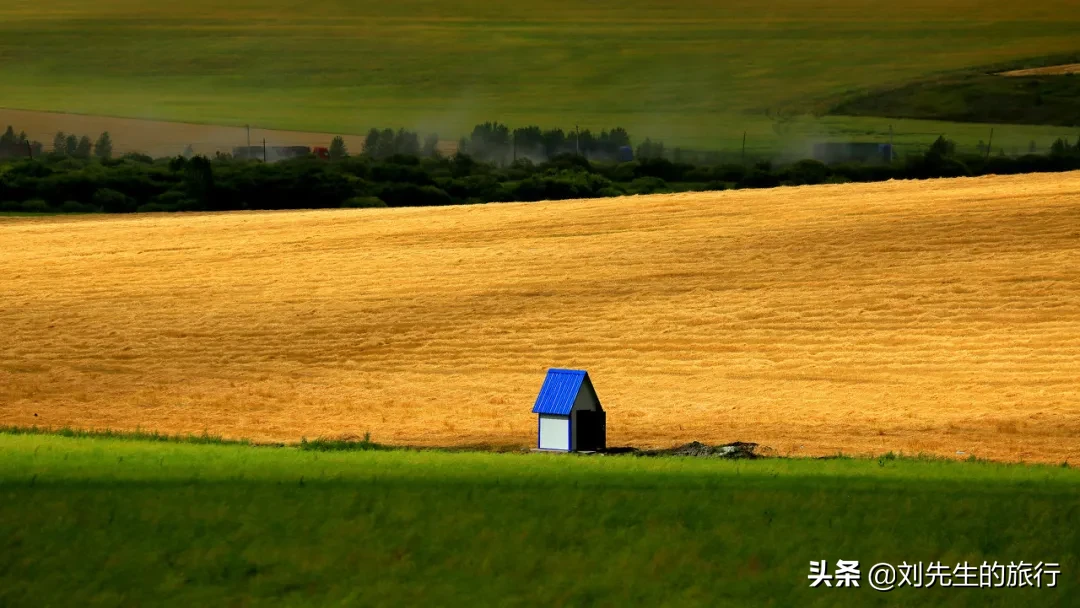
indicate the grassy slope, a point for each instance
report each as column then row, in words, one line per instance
column 120, row 522
column 976, row 97
column 689, row 71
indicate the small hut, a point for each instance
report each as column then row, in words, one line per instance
column 570, row 418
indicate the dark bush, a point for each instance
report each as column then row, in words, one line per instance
column 647, row 185
column 77, row 207
column 403, row 159
column 759, row 178
column 411, row 195
column 700, row 175
column 156, row 208
column 730, row 173
column 36, row 206
column 552, row 187
column 406, row 174
column 520, row 169
column 663, row 169
column 625, row 172
column 136, row 158
column 111, row 201
column 805, row 172
column 363, row 202
column 932, row 165
column 566, row 162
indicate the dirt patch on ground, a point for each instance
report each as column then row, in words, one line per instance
column 1053, row 70
column 732, row 451
column 162, row 138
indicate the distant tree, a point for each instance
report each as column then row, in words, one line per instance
column 84, row 147
column 554, row 141
column 618, row 137
column 71, row 145
column 188, row 151
column 650, row 149
column 463, row 146
column 1060, row 147
column 9, row 136
column 371, row 143
column 431, row 145
column 385, row 146
column 407, row 143
column 177, row 164
column 103, row 147
column 59, row 145
column 37, row 148
column 22, row 137
column 338, row 149
column 942, row 146
column 1032, row 148
column 587, row 142
column 491, row 142
column 528, row 142
column 198, row 177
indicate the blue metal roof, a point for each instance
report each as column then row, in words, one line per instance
column 559, row 391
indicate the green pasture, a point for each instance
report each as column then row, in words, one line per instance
column 694, row 73
column 113, row 521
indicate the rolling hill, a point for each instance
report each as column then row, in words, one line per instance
column 935, row 317
column 696, row 74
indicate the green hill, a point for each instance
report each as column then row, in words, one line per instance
column 690, row 72
column 978, row 95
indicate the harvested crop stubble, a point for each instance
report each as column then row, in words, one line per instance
column 937, row 316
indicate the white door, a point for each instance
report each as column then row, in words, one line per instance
column 555, row 433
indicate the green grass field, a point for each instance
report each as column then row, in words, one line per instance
column 692, row 72
column 119, row 522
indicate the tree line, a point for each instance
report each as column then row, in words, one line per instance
column 497, row 143
column 96, row 182
column 64, row 144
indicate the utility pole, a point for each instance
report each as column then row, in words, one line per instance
column 29, row 150
column 577, row 140
column 264, row 149
column 744, row 147
column 249, row 138
column 991, row 142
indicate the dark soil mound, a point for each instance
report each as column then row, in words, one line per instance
column 697, row 449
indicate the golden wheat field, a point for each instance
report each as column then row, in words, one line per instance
column 939, row 317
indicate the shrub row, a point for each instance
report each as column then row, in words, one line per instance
column 138, row 183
